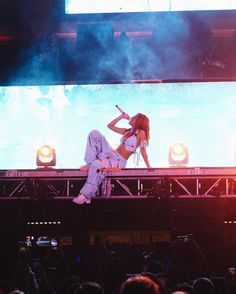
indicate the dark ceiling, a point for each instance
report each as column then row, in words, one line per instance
column 38, row 43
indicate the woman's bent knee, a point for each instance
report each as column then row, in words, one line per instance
column 96, row 163
column 95, row 134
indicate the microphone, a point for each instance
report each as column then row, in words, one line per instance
column 121, row 110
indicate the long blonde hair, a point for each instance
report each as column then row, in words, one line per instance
column 141, row 123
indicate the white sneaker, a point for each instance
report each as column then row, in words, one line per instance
column 81, row 199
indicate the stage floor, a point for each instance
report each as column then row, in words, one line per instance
column 120, row 183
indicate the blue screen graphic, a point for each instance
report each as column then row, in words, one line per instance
column 124, row 6
column 200, row 115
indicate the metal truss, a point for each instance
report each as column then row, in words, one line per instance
column 165, row 187
column 127, row 183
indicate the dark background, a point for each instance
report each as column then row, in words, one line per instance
column 39, row 44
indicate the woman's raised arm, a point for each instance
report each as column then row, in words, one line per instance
column 112, row 125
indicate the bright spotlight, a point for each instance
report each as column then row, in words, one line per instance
column 46, row 156
column 178, row 155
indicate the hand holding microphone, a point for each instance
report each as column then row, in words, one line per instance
column 125, row 115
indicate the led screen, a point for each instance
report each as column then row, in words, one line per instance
column 119, row 6
column 200, row 115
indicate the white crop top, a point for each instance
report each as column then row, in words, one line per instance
column 131, row 143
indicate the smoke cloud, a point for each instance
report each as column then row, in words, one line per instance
column 170, row 47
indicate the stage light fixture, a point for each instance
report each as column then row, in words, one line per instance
column 46, row 156
column 178, row 155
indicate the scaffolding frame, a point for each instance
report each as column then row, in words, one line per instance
column 124, row 183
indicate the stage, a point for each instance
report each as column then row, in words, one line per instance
column 125, row 183
column 135, row 207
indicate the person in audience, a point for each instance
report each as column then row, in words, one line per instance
column 203, row 285
column 139, row 285
column 220, row 284
column 69, row 282
column 89, row 288
column 4, row 287
column 186, row 262
column 183, row 288
column 180, row 292
column 99, row 155
column 158, row 281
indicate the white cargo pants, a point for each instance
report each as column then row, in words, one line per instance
column 98, row 155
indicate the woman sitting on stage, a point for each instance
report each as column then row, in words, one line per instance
column 99, row 155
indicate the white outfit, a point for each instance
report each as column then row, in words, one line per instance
column 99, row 154
column 131, row 142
